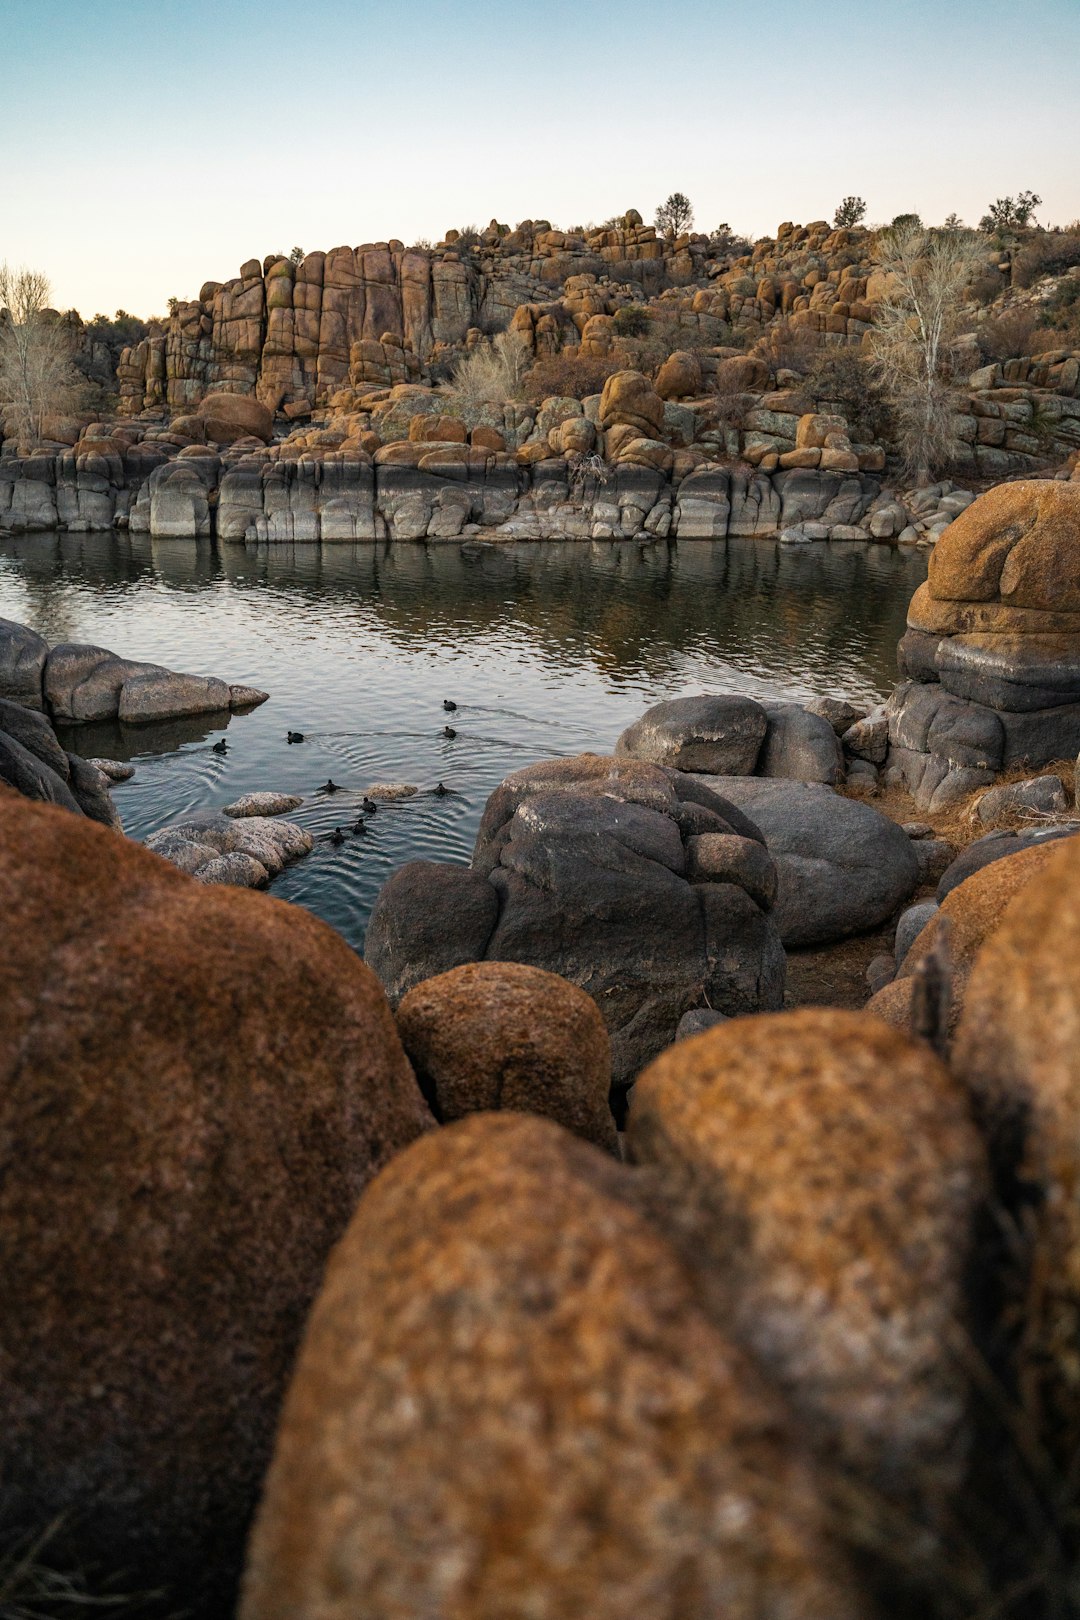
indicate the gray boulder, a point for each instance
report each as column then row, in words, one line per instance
column 161, row 694
column 800, row 746
column 840, row 714
column 868, row 738
column 30, row 728
column 911, row 924
column 1040, row 795
column 720, row 734
column 22, row 664
column 843, row 868
column 272, row 844
column 26, row 773
column 697, row 1021
column 602, row 870
column 91, row 791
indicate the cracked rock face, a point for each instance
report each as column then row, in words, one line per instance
column 589, row 867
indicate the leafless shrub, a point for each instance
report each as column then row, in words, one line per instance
column 37, row 376
column 913, row 341
column 492, row 373
column 570, row 376
column 1007, row 335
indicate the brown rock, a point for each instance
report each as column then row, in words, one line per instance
column 1017, row 543
column 823, row 1171
column 510, row 1406
column 630, row 397
column 680, row 376
column 742, row 374
column 229, row 417
column 486, row 438
column 495, row 1035
column 1018, row 1049
column 970, row 912
column 438, row 429
column 178, row 1153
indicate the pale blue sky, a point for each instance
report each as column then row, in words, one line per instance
column 150, row 145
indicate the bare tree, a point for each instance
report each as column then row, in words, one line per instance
column 36, row 346
column 913, row 340
column 675, row 216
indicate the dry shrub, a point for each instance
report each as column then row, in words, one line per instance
column 1050, row 253
column 795, row 348
column 1008, row 335
column 841, row 375
column 492, row 373
column 570, row 376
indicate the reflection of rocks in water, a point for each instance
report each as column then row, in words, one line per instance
column 114, row 741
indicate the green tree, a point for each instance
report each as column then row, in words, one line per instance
column 852, row 211
column 675, row 216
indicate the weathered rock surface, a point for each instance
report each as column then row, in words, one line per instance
column 586, row 861
column 995, row 846
column 263, row 804
column 177, row 1157
column 993, row 645
column 799, row 746
column 510, row 1403
column 719, row 734
column 269, row 845
column 497, row 1035
column 22, row 664
column 824, row 1173
column 842, row 867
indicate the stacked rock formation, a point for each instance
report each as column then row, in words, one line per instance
column 633, row 881
column 992, row 650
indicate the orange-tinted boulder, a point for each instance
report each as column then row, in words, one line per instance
column 510, row 1405
column 228, row 417
column 195, row 1086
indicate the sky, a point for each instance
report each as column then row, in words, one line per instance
column 152, row 145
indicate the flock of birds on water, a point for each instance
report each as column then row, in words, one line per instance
column 367, row 805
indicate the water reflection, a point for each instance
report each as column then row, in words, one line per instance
column 547, row 648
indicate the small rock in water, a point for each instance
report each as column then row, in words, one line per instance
column 240, row 870
column 391, row 790
column 246, row 697
column 263, row 804
column 114, row 769
column 194, row 844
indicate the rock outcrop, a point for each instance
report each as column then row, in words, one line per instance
column 178, row 1155
column 600, row 870
column 992, row 650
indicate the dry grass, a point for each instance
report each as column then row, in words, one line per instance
column 33, row 1586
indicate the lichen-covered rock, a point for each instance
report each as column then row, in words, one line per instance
column 1018, row 1049
column 824, row 1173
column 274, row 844
column 495, row 1035
column 177, row 1157
column 510, row 1405
column 263, row 804
column 22, row 664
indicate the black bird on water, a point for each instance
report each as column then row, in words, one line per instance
column 221, row 746
column 294, row 736
column 329, row 786
column 337, row 836
column 369, row 805
column 449, row 705
column 441, row 790
column 448, row 731
column 360, row 829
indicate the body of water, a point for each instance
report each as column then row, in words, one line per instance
column 545, row 648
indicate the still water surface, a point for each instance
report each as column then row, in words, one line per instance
column 546, row 649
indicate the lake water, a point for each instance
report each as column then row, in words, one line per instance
column 546, row 649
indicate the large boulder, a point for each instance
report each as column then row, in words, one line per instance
column 960, row 925
column 595, row 877
column 843, row 867
column 718, row 733
column 511, row 1403
column 1018, row 1049
column 235, row 416
column 178, row 1154
column 629, row 398
column 22, row 664
column 494, row 1035
column 800, row 746
column 824, row 1174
